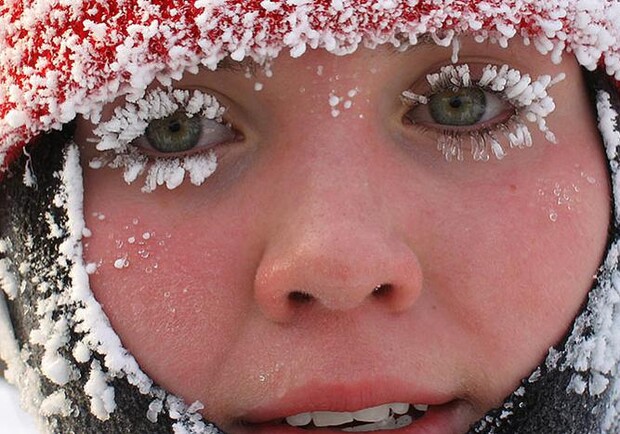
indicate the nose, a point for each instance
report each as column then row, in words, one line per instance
column 337, row 271
column 337, row 250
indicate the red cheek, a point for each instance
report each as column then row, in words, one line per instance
column 165, row 288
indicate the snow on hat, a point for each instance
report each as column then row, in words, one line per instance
column 61, row 58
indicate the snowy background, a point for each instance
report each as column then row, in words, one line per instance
column 12, row 417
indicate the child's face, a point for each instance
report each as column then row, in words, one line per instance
column 336, row 260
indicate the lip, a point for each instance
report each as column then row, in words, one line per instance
column 446, row 415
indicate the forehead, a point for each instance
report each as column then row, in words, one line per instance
column 319, row 65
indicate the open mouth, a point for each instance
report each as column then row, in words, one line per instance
column 391, row 416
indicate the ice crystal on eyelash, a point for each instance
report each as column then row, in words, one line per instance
column 169, row 171
column 450, row 77
column 530, row 99
column 451, row 146
column 414, row 98
column 456, row 49
column 130, row 122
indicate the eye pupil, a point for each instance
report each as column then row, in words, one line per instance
column 174, row 126
column 456, row 102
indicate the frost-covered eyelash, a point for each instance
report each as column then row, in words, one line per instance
column 130, row 122
column 529, row 98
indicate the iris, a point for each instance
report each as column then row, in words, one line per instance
column 175, row 133
column 461, row 107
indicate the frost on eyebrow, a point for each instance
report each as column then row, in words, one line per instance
column 130, row 122
column 529, row 97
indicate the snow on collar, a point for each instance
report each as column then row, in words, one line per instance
column 62, row 58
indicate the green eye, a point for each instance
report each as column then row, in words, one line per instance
column 465, row 106
column 175, row 133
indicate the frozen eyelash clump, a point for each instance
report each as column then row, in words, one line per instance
column 129, row 122
column 529, row 98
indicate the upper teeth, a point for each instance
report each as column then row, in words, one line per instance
column 332, row 418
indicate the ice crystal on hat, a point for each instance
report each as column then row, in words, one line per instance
column 60, row 59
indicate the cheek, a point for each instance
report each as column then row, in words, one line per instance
column 165, row 289
column 522, row 254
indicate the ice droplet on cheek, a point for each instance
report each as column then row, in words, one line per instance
column 553, row 216
column 121, row 263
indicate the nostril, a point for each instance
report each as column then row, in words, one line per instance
column 300, row 297
column 382, row 290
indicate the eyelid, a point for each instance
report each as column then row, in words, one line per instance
column 497, row 113
column 527, row 95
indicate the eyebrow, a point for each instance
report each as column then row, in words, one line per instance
column 246, row 65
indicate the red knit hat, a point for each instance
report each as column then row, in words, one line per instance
column 62, row 58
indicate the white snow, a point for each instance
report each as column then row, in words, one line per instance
column 91, row 268
column 56, row 403
column 102, row 395
column 7, row 279
column 14, row 419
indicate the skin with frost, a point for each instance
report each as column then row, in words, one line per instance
column 482, row 282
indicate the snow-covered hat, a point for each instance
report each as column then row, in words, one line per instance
column 59, row 59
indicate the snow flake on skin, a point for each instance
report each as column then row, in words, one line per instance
column 91, row 268
column 135, row 247
column 99, row 216
column 555, row 197
column 335, row 100
column 121, row 263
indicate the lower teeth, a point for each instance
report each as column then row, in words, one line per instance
column 386, row 424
